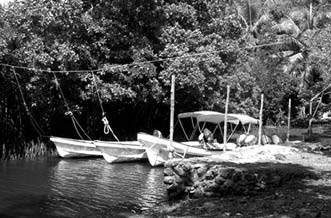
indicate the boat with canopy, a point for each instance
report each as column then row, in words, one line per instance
column 160, row 149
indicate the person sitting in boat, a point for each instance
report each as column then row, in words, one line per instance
column 206, row 138
column 157, row 133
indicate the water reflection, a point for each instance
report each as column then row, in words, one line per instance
column 24, row 187
column 83, row 188
column 95, row 185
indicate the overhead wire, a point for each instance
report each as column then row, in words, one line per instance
column 107, row 128
column 187, row 55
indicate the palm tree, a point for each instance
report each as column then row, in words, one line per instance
column 291, row 22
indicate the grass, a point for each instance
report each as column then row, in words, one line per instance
column 29, row 150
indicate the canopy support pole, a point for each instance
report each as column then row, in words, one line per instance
column 288, row 121
column 260, row 121
column 226, row 117
column 172, row 109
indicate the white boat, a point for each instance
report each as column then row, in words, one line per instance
column 112, row 151
column 157, row 149
column 122, row 151
column 160, row 149
column 67, row 147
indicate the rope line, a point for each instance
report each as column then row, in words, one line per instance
column 33, row 121
column 20, row 90
column 106, row 128
column 144, row 62
column 36, row 126
column 75, row 122
column 61, row 93
column 98, row 94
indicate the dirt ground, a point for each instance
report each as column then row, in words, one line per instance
column 304, row 197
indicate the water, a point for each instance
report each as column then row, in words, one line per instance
column 78, row 188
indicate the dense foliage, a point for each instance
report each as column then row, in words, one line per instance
column 117, row 56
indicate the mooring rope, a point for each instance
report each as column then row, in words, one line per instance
column 33, row 121
column 106, row 128
column 75, row 122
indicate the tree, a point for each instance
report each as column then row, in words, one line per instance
column 133, row 47
column 206, row 36
column 293, row 24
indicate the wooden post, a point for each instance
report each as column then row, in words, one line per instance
column 172, row 110
column 260, row 121
column 288, row 121
column 226, row 117
column 310, row 131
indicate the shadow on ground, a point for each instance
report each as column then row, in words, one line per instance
column 302, row 192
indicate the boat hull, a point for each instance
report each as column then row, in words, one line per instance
column 158, row 149
column 68, row 148
column 125, row 151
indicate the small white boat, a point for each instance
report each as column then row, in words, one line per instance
column 67, row 147
column 160, row 149
column 122, row 151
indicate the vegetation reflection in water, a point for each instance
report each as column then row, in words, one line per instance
column 90, row 187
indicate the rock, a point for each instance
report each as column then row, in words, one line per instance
column 210, row 205
column 241, row 139
column 209, row 175
column 197, row 193
column 280, row 157
column 228, row 184
column 202, row 171
column 168, row 180
column 250, row 140
column 276, row 139
column 195, row 177
column 304, row 212
column 276, row 180
column 226, row 172
column 177, row 179
column 168, row 172
column 209, row 194
column 219, row 180
column 237, row 176
column 187, row 167
column 249, row 177
column 199, row 165
column 218, row 176
column 179, row 170
column 210, row 186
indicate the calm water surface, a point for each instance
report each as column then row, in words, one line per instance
column 57, row 187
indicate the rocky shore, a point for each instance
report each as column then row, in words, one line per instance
column 242, row 172
column 291, row 180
